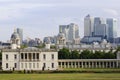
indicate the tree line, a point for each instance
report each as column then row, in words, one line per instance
column 85, row 54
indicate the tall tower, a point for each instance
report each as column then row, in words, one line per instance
column 100, row 28
column 112, row 27
column 20, row 33
column 70, row 31
column 88, row 26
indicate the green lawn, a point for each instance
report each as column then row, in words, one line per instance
column 70, row 76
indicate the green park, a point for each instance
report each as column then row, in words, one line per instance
column 62, row 76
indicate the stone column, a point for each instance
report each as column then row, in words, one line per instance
column 89, row 64
column 35, row 56
column 98, row 66
column 113, row 66
column 78, row 64
column 32, row 56
column 20, row 56
column 27, row 56
column 95, row 64
column 60, row 64
column 106, row 64
column 24, row 56
column 92, row 64
column 110, row 64
column 82, row 64
column 102, row 64
column 64, row 64
column 67, row 64
column 75, row 64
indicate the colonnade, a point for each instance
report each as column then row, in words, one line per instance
column 29, row 56
column 89, row 63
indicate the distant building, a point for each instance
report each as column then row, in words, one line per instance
column 15, row 40
column 5, row 45
column 49, row 38
column 32, row 42
column 20, row 33
column 112, row 27
column 101, row 30
column 88, row 26
column 71, row 32
column 61, row 39
column 99, row 27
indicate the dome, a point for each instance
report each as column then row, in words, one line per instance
column 15, row 35
column 48, row 41
column 61, row 35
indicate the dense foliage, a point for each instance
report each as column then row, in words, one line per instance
column 85, row 54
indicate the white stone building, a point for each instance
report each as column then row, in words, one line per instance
column 29, row 59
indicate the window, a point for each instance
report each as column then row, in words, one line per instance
column 52, row 56
column 6, row 65
column 30, row 56
column 52, row 65
column 15, row 56
column 44, row 56
column 6, row 56
column 25, row 55
column 21, row 55
column 33, row 55
column 15, row 65
column 38, row 56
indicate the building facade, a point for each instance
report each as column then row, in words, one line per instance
column 88, row 26
column 29, row 59
column 20, row 33
column 100, row 27
column 70, row 31
column 112, row 27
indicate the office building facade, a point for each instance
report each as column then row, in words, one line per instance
column 70, row 31
column 20, row 32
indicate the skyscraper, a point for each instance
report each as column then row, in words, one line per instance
column 100, row 28
column 112, row 27
column 71, row 31
column 97, row 28
column 88, row 26
column 20, row 32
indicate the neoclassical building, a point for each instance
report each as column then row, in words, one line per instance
column 30, row 58
column 15, row 40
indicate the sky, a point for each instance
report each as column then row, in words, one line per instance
column 40, row 18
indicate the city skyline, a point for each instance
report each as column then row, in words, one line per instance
column 44, row 17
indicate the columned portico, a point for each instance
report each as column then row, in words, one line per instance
column 29, row 56
column 89, row 63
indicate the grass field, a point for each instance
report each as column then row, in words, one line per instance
column 70, row 76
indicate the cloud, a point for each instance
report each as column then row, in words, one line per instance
column 111, row 12
column 17, row 10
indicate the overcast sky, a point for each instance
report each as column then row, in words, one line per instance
column 39, row 18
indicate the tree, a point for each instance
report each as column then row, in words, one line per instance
column 98, row 55
column 74, row 54
column 109, row 55
column 85, row 54
column 41, row 46
column 23, row 46
column 64, row 54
